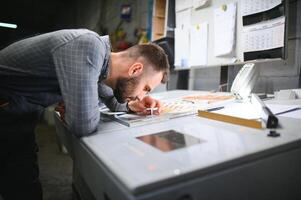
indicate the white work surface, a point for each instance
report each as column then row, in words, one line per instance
column 137, row 165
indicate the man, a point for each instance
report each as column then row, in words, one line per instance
column 78, row 68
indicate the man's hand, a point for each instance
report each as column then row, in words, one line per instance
column 140, row 107
column 61, row 109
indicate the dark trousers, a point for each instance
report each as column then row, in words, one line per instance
column 19, row 171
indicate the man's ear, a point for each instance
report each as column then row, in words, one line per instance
column 136, row 69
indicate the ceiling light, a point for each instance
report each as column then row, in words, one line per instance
column 7, row 25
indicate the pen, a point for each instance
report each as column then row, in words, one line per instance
column 188, row 101
column 215, row 109
column 151, row 110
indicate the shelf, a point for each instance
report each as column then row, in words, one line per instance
column 158, row 19
column 177, row 68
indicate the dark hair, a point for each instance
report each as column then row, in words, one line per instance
column 153, row 55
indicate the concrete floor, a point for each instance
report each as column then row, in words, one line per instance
column 55, row 166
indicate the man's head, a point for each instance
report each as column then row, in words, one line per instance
column 140, row 69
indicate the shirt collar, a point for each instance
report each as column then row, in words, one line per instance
column 105, row 66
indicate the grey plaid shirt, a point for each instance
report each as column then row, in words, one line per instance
column 66, row 65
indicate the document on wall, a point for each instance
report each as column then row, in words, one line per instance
column 183, row 4
column 197, row 4
column 224, row 30
column 199, row 44
column 264, row 35
column 183, row 19
column 249, row 7
column 182, row 48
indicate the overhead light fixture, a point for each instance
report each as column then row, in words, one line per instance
column 7, row 25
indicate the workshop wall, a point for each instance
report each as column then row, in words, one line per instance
column 278, row 76
column 112, row 19
column 273, row 76
column 103, row 16
column 36, row 17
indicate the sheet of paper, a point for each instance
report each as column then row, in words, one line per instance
column 200, row 3
column 249, row 7
column 108, row 112
column 224, row 29
column 208, row 98
column 264, row 35
column 248, row 110
column 199, row 44
column 275, row 108
column 171, row 108
column 181, row 47
column 183, row 4
column 242, row 110
column 295, row 114
column 178, row 106
column 183, row 19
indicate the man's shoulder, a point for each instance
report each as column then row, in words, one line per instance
column 72, row 32
column 67, row 35
column 81, row 35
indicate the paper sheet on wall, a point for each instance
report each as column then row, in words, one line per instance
column 249, row 7
column 197, row 4
column 264, row 35
column 224, row 29
column 181, row 47
column 183, row 19
column 198, row 44
column 183, row 4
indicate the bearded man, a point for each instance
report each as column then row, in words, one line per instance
column 75, row 67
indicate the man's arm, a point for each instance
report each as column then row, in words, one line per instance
column 139, row 107
column 78, row 67
column 107, row 97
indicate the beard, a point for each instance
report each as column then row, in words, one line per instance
column 125, row 87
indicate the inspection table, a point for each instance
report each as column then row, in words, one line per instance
column 205, row 159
